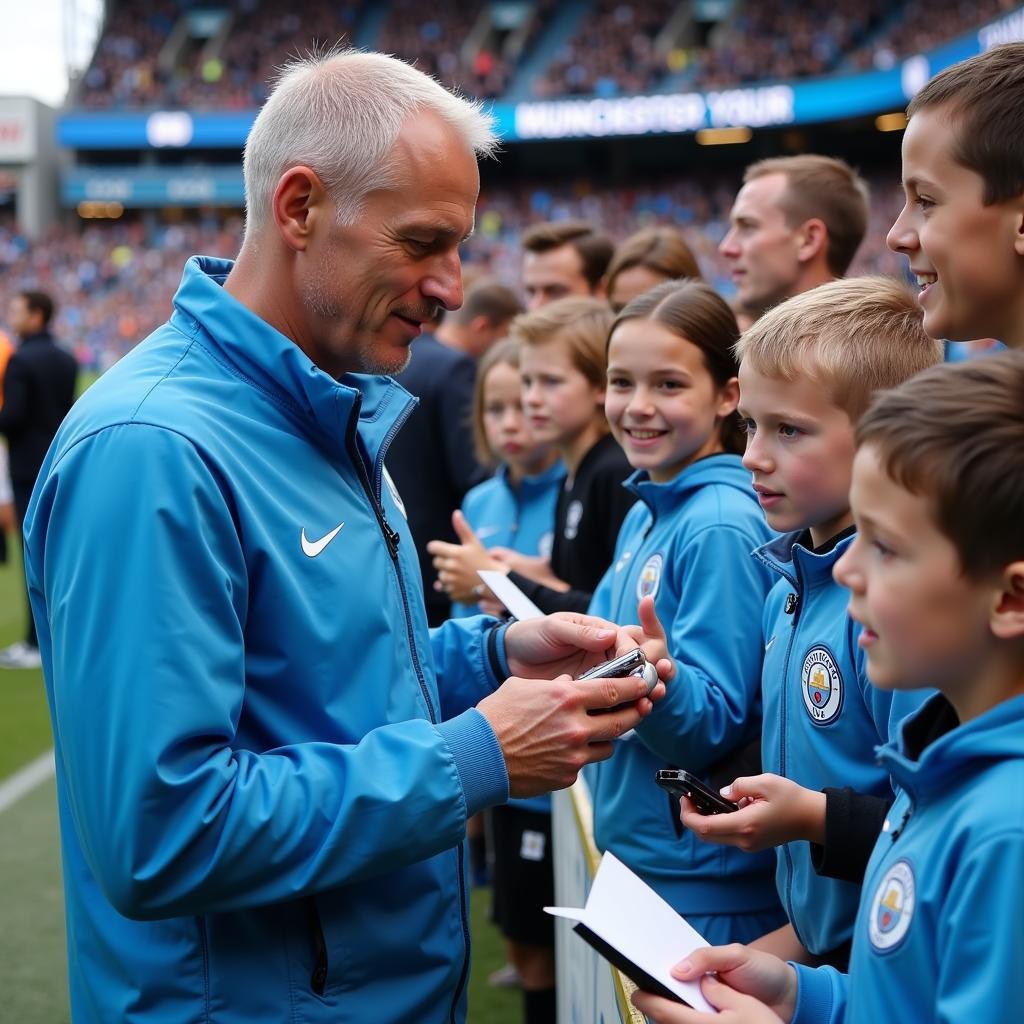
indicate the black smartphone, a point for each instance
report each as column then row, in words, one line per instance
column 681, row 783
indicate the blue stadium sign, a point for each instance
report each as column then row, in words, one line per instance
column 769, row 104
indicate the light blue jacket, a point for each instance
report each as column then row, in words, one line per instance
column 940, row 930
column 523, row 519
column 263, row 780
column 822, row 720
column 688, row 542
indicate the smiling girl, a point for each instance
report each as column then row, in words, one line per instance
column 671, row 404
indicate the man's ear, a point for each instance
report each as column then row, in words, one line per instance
column 1018, row 238
column 298, row 203
column 813, row 240
column 1007, row 619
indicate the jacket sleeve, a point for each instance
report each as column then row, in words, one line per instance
column 821, row 995
column 712, row 704
column 138, row 577
column 853, row 823
column 980, row 942
column 549, row 600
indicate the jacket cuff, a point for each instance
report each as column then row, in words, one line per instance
column 497, row 658
column 815, row 998
column 478, row 758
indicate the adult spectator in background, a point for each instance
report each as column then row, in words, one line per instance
column 645, row 260
column 265, row 760
column 6, row 493
column 797, row 222
column 38, row 389
column 432, row 460
column 483, row 318
column 562, row 258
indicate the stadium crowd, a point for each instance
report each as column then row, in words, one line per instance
column 618, row 48
column 116, row 278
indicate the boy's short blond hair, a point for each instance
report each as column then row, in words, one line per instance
column 854, row 337
column 581, row 324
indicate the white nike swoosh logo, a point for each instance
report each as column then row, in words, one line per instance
column 312, row 548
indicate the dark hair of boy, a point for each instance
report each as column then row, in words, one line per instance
column 594, row 247
column 827, row 189
column 955, row 434
column 696, row 312
column 984, row 97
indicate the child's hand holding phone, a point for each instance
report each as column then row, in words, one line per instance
column 771, row 810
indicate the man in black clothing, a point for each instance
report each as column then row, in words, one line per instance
column 432, row 460
column 39, row 387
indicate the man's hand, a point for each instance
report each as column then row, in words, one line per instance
column 743, row 984
column 570, row 643
column 549, row 729
column 773, row 810
column 7, row 517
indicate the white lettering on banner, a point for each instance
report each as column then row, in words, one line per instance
column 1008, row 30
column 636, row 115
column 649, row 115
column 191, row 188
column 751, row 108
column 169, row 128
column 108, row 188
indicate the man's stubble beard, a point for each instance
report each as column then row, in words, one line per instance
column 317, row 298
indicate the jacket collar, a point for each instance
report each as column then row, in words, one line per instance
column 790, row 557
column 660, row 497
column 538, row 482
column 276, row 366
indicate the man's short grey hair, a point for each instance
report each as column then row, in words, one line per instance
column 340, row 114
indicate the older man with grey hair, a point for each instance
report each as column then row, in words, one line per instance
column 265, row 762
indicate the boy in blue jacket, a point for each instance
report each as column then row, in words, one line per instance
column 807, row 372
column 936, row 576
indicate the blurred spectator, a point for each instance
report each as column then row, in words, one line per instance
column 564, row 258
column 39, row 387
column 645, row 260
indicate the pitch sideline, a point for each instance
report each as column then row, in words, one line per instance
column 26, row 779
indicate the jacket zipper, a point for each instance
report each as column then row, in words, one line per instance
column 392, row 537
column 792, row 607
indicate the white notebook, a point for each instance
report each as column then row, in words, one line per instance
column 628, row 923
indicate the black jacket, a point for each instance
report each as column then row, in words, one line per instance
column 589, row 513
column 431, row 460
column 39, row 387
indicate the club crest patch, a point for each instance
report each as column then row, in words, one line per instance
column 821, row 685
column 892, row 908
column 573, row 515
column 650, row 577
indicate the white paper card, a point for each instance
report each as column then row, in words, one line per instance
column 510, row 595
column 624, row 911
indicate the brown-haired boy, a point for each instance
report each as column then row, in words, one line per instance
column 962, row 227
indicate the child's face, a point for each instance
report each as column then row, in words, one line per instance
column 560, row 403
column 967, row 256
column 800, row 450
column 925, row 623
column 662, row 404
column 505, row 427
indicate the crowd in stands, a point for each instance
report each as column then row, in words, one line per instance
column 620, row 47
column 116, row 278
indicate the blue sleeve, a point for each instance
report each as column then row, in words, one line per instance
column 980, row 941
column 820, row 995
column 712, row 704
column 467, row 665
column 134, row 545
